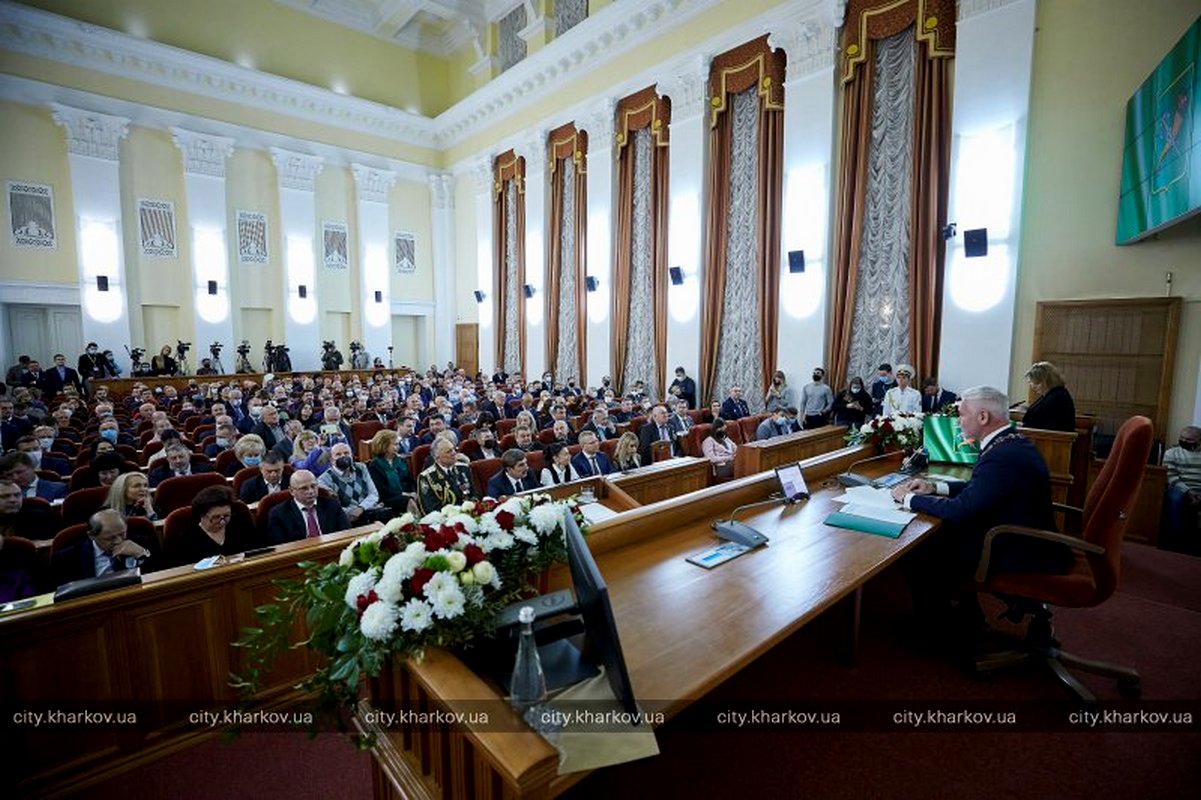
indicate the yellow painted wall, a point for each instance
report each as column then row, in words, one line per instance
column 466, row 276
column 34, row 149
column 1086, row 66
column 460, row 80
column 250, row 184
column 333, row 190
column 272, row 37
column 409, row 210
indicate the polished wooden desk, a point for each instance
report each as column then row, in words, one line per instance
column 663, row 479
column 162, row 645
column 683, row 629
column 754, row 457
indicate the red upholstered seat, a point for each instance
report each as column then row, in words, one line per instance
column 482, row 470
column 227, row 463
column 83, row 503
column 178, row 492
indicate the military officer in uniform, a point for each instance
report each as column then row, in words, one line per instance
column 443, row 482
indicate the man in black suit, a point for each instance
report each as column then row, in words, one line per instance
column 271, row 479
column 934, row 396
column 1010, row 485
column 881, row 384
column 18, row 467
column 601, row 425
column 513, row 477
column 268, row 428
column 684, row 387
column 11, row 428
column 179, row 463
column 734, row 407
column 33, row 448
column 54, row 379
column 108, row 547
column 590, row 460
column 656, row 429
column 18, row 518
column 307, row 515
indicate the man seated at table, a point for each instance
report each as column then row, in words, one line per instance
column 734, row 407
column 590, row 460
column 1010, row 485
column 307, row 514
column 271, row 479
column 19, row 468
column 513, row 477
column 656, row 429
column 108, row 547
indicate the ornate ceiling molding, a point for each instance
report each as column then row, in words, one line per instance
column 296, row 170
column 972, row 8
column 809, row 44
column 90, row 133
column 373, row 184
column 599, row 125
column 203, row 153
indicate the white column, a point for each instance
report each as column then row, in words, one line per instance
column 298, row 219
column 204, row 186
column 601, row 166
column 993, row 62
column 685, row 226
column 534, row 151
column 442, row 197
column 808, row 149
column 373, row 186
column 482, row 173
column 93, row 151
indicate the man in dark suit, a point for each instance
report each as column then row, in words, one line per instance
column 307, row 515
column 513, row 477
column 11, row 428
column 684, row 387
column 60, row 375
column 108, row 547
column 31, row 446
column 18, row 467
column 406, row 440
column 1010, row 485
column 934, row 396
column 179, row 463
column 656, row 429
column 271, row 479
column 601, row 425
column 734, row 407
column 31, row 520
column 268, row 428
column 590, row 460
column 881, row 384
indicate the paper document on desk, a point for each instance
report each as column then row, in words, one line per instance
column 871, row 519
column 894, row 514
column 867, row 496
column 595, row 512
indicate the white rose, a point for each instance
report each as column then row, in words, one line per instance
column 347, row 556
column 468, row 506
column 456, row 560
column 483, row 572
column 467, row 578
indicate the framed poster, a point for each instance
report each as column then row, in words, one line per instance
column 405, row 252
column 252, row 237
column 31, row 215
column 156, row 228
column 336, row 250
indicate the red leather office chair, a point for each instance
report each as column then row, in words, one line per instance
column 264, row 511
column 178, row 492
column 180, row 520
column 482, row 470
column 417, row 459
column 83, row 503
column 363, row 431
column 696, row 434
column 20, row 554
column 504, row 426
column 537, row 460
column 1094, row 575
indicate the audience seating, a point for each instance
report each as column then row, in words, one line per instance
column 470, row 448
column 180, row 520
column 536, row 460
column 201, row 431
column 546, row 435
column 363, row 431
column 504, row 426
column 246, row 473
column 83, row 503
column 48, row 475
column 417, row 459
column 178, row 492
column 608, row 446
column 466, row 429
column 635, row 424
column 150, row 449
column 482, row 470
column 507, row 442
column 697, row 434
column 73, row 533
column 263, row 511
column 227, row 463
column 21, row 554
column 748, row 426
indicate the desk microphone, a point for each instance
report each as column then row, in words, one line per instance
column 740, row 532
column 849, row 478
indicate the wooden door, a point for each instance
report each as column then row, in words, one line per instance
column 467, row 346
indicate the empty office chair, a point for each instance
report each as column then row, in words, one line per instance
column 178, row 492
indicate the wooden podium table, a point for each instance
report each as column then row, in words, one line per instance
column 755, row 457
column 683, row 629
column 663, row 479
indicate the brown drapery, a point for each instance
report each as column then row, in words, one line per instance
column 866, row 22
column 567, row 142
column 643, row 109
column 507, row 167
column 750, row 64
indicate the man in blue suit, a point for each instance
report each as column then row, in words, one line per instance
column 513, row 477
column 18, row 467
column 934, row 396
column 734, row 407
column 590, row 460
column 1010, row 485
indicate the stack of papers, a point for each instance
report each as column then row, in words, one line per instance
column 595, row 512
column 871, row 518
column 868, row 496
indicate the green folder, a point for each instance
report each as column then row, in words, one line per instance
column 841, row 519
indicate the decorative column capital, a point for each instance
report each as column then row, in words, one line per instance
column 203, row 153
column 689, row 90
column 599, row 124
column 90, row 133
column 808, row 42
column 481, row 173
column 373, row 184
column 532, row 148
column 442, row 190
column 296, row 170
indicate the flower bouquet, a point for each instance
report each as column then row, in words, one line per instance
column 435, row 581
column 904, row 432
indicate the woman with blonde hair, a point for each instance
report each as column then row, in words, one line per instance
column 248, row 452
column 130, row 495
column 307, row 453
column 1054, row 409
column 625, row 455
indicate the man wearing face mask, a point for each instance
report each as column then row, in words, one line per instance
column 110, row 432
column 352, row 484
column 486, row 439
column 227, row 437
column 684, row 387
column 816, row 400
column 49, row 439
column 33, row 448
column 1181, row 527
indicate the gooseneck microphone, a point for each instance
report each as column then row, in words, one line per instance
column 850, row 478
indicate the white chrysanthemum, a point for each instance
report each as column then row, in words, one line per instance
column 501, row 540
column 438, row 583
column 415, row 550
column 468, row 506
column 390, row 587
column 514, row 505
column 379, row 620
column 523, row 534
column 433, row 518
column 401, row 566
column 457, row 560
column 449, row 602
column 405, row 519
column 451, row 510
column 545, row 518
column 488, row 524
column 360, row 584
column 374, row 536
column 467, row 522
column 483, row 572
column 392, row 526
column 473, row 593
column 416, row 615
column 346, row 558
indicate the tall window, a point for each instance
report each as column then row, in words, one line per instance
column 566, row 246
column 508, row 260
column 511, row 47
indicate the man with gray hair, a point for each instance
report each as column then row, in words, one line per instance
column 1010, row 485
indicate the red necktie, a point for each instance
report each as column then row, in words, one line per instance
column 310, row 515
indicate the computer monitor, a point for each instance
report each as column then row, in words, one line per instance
column 792, row 483
column 86, row 586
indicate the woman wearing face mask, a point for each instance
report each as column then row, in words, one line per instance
column 249, row 452
column 719, row 449
column 130, row 494
column 852, row 404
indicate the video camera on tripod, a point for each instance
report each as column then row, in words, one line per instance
column 138, row 367
column 331, row 357
column 243, row 362
column 275, row 358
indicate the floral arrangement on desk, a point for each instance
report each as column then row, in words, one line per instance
column 903, row 432
column 438, row 581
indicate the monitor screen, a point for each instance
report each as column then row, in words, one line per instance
column 792, row 482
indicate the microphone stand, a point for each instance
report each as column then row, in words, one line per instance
column 740, row 532
column 849, row 478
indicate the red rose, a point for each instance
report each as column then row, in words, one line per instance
column 364, row 600
column 474, row 553
column 389, row 544
column 432, row 541
column 460, row 527
column 487, row 504
column 420, row 577
column 505, row 520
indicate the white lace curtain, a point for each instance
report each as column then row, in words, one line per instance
column 738, row 358
column 880, row 325
column 513, row 293
column 565, row 360
column 510, row 46
column 640, row 362
column 568, row 14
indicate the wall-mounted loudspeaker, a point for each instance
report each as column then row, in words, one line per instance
column 677, row 276
column 592, row 283
column 796, row 260
column 479, row 296
column 303, row 291
column 528, row 289
column 212, row 287
column 102, row 283
column 975, row 242
column 379, row 297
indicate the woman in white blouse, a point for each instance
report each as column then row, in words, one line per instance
column 719, row 449
column 559, row 470
column 902, row 398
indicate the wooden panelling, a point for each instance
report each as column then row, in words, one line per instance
column 122, row 386
column 1144, row 518
column 754, row 457
column 664, row 479
column 467, row 346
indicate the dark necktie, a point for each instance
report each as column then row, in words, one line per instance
column 663, row 433
column 310, row 517
column 592, row 462
column 117, row 562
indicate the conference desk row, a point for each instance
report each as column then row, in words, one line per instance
column 123, row 386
